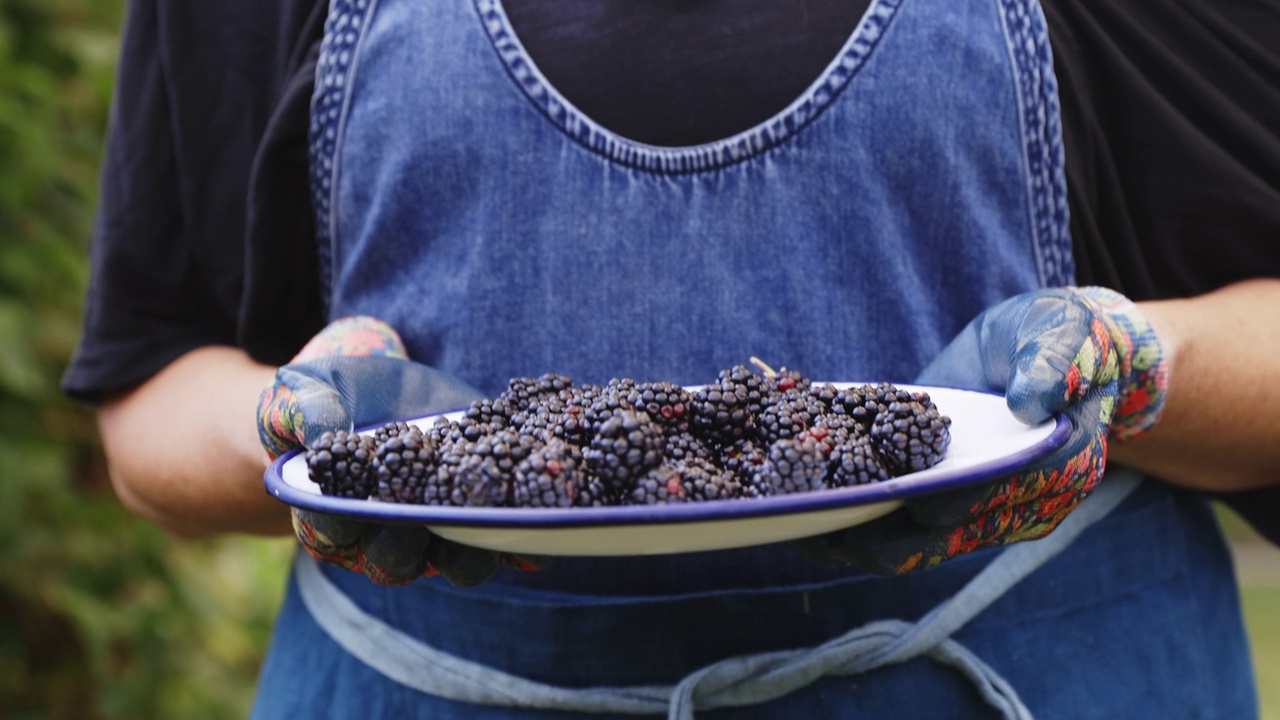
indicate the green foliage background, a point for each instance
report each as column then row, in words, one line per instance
column 101, row 615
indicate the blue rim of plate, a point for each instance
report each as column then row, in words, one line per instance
column 894, row 489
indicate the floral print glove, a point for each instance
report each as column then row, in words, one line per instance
column 355, row 374
column 1086, row 352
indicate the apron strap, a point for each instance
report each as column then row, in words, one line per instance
column 737, row 681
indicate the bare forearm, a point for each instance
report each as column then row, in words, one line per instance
column 1221, row 426
column 183, row 449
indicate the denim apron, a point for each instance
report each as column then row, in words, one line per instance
column 917, row 181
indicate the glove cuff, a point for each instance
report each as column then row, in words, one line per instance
column 1142, row 373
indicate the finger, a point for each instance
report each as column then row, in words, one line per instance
column 1062, row 351
column 395, row 554
column 525, row 562
column 279, row 421
column 1077, row 465
column 330, row 538
column 895, row 545
column 462, row 565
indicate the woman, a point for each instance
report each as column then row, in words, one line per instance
column 850, row 216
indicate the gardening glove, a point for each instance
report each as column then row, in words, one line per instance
column 356, row 374
column 1085, row 352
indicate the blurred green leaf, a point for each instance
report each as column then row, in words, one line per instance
column 101, row 614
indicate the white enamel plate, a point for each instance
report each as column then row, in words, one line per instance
column 986, row 442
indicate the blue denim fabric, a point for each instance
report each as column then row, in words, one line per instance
column 1139, row 619
column 917, row 182
column 505, row 234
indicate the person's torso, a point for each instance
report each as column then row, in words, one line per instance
column 504, row 233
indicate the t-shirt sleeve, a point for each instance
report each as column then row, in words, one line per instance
column 198, row 88
column 149, row 300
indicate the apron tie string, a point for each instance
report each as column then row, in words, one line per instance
column 736, row 681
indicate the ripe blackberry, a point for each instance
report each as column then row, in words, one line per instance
column 865, row 402
column 853, row 459
column 338, row 461
column 787, row 414
column 625, row 446
column 667, row 403
column 683, row 446
column 691, row 480
column 740, row 458
column 825, row 394
column 480, row 472
column 659, row 486
column 722, row 412
column 390, row 430
column 620, row 386
column 683, row 481
column 483, row 417
column 592, row 492
column 910, row 435
column 604, row 405
column 549, row 476
column 756, row 387
column 404, row 464
column 704, row 481
column 797, row 464
column 524, row 392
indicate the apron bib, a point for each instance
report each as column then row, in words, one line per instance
column 916, row 182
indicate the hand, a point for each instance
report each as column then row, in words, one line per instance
column 1085, row 352
column 354, row 374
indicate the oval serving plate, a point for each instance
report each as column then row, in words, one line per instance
column 986, row 442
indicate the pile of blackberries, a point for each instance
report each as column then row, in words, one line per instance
column 546, row 442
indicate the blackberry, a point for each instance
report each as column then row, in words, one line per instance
column 588, row 407
column 787, row 414
column 605, row 404
column 480, row 472
column 865, row 402
column 338, row 461
column 659, row 486
column 549, row 476
column 825, row 394
column 691, row 480
column 620, row 386
column 543, row 420
column 910, row 435
column 797, row 464
column 483, row 417
column 390, row 430
column 722, row 412
column 682, row 446
column 525, row 392
column 624, row 447
column 404, row 465
column 704, row 481
column 592, row 492
column 791, row 380
column 854, row 460
column 755, row 386
column 740, row 458
column 667, row 403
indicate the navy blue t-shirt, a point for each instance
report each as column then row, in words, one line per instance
column 205, row 233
